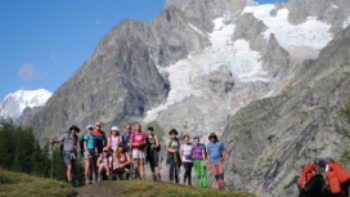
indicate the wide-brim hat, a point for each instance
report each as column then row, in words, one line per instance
column 114, row 128
column 212, row 135
column 74, row 127
column 173, row 131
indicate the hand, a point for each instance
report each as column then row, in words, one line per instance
column 204, row 163
column 76, row 147
column 222, row 159
column 51, row 141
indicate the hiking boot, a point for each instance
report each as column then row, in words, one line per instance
column 154, row 178
column 159, row 177
column 99, row 179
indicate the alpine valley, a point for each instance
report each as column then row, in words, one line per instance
column 268, row 79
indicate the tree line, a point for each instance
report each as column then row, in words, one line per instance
column 20, row 151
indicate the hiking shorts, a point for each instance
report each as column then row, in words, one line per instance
column 138, row 154
column 69, row 158
column 87, row 155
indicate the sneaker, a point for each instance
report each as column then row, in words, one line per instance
column 87, row 180
column 99, row 179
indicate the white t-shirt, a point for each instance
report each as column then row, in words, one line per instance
column 114, row 141
column 186, row 153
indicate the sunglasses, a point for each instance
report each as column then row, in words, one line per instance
column 105, row 151
column 97, row 125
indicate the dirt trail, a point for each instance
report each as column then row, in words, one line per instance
column 102, row 189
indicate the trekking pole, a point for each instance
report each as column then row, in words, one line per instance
column 51, row 161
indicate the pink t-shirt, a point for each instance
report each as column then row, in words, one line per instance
column 138, row 138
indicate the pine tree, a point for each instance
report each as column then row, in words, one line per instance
column 24, row 141
column 7, row 144
column 59, row 167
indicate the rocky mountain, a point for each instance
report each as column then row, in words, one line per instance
column 15, row 103
column 230, row 66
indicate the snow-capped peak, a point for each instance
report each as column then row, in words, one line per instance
column 13, row 104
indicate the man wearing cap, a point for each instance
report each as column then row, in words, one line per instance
column 216, row 155
column 70, row 141
column 89, row 155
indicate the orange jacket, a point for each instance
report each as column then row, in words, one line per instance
column 308, row 172
column 342, row 174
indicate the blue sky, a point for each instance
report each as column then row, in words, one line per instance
column 44, row 42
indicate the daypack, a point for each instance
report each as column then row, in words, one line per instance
column 159, row 147
column 333, row 181
column 62, row 143
column 174, row 156
column 308, row 173
column 342, row 175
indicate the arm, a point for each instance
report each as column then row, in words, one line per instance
column 181, row 153
column 110, row 162
column 170, row 150
column 157, row 142
column 203, row 155
column 223, row 155
column 105, row 140
column 208, row 157
column 85, row 147
column 52, row 141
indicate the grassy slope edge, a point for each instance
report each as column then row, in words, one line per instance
column 19, row 184
column 162, row 189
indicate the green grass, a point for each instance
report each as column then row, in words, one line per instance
column 19, row 184
column 158, row 189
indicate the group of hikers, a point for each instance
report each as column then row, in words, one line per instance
column 114, row 154
column 324, row 178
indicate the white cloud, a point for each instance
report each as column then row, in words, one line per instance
column 53, row 56
column 97, row 22
column 27, row 72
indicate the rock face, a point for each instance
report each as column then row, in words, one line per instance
column 271, row 140
column 230, row 66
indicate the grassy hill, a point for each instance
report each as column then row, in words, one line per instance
column 19, row 184
column 23, row 185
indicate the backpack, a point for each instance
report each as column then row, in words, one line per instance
column 61, row 145
column 159, row 147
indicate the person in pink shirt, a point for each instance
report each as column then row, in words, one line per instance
column 138, row 142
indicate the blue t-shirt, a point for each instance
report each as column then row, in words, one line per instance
column 215, row 151
column 90, row 142
column 126, row 140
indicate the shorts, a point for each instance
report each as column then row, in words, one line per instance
column 69, row 158
column 87, row 155
column 138, row 154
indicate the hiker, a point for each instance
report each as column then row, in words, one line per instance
column 138, row 142
column 173, row 157
column 70, row 146
column 104, row 164
column 152, row 153
column 198, row 155
column 89, row 155
column 114, row 139
column 126, row 138
column 216, row 156
column 123, row 161
column 100, row 138
column 186, row 159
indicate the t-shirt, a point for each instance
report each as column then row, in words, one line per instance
column 173, row 144
column 114, row 141
column 187, row 153
column 197, row 151
column 215, row 151
column 105, row 160
column 69, row 141
column 90, row 142
column 99, row 138
column 138, row 138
